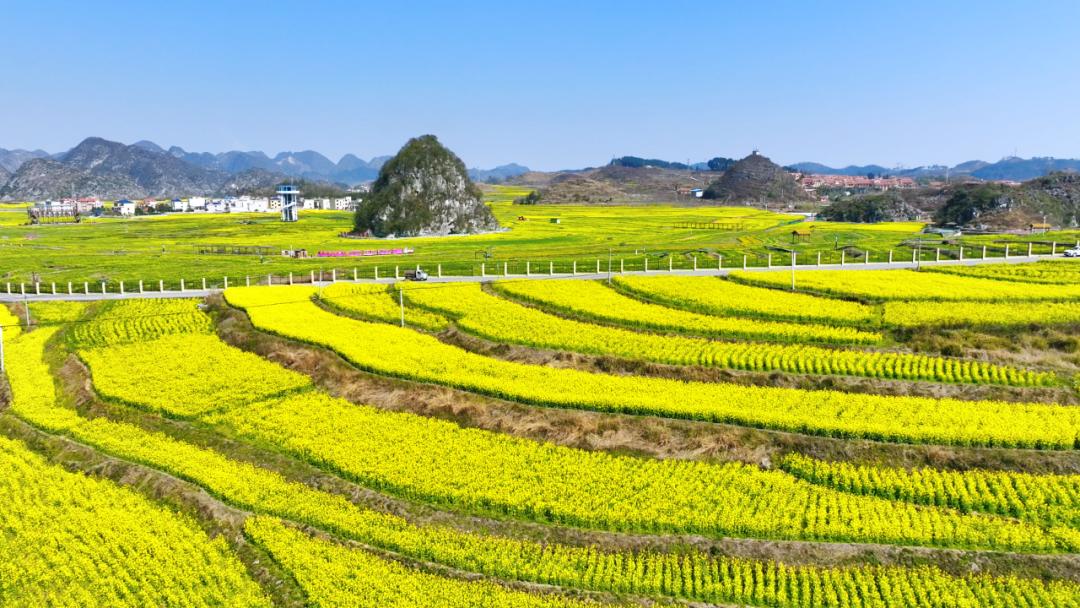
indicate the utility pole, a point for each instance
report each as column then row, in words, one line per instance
column 26, row 310
column 1, row 348
column 401, row 302
column 918, row 259
column 609, row 265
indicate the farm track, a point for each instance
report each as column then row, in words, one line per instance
column 219, row 517
column 617, row 433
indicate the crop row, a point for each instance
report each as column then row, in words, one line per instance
column 375, row 302
column 884, row 285
column 1055, row 272
column 981, row 314
column 72, row 540
column 184, row 375
column 497, row 319
column 476, row 471
column 720, row 297
column 405, row 353
column 711, row 578
column 1033, row 497
column 335, row 575
column 124, row 321
column 594, row 301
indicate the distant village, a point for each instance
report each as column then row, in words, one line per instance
column 95, row 207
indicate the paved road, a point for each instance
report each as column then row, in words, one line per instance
column 585, row 276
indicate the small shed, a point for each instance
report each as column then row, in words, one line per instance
column 800, row 234
column 556, row 220
column 1039, row 228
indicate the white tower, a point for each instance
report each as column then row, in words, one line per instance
column 290, row 202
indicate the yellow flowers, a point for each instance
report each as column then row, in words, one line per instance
column 1057, row 272
column 497, row 319
column 405, row 353
column 715, row 296
column 1054, row 498
column 376, row 303
column 123, row 321
column 72, row 540
column 981, row 314
column 465, row 464
column 190, row 374
column 909, row 285
column 483, row 472
column 333, row 575
column 591, row 300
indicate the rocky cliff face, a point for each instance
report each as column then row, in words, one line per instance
column 424, row 190
column 43, row 178
column 1054, row 199
column 755, row 178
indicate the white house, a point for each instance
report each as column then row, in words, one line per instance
column 344, row 204
column 216, row 206
column 189, row 204
column 247, row 204
column 315, row 203
column 125, row 207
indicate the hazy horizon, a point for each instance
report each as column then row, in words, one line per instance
column 554, row 86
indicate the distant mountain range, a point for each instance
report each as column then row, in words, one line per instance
column 108, row 169
column 98, row 167
column 1011, row 168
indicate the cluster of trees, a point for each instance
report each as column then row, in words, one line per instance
column 718, row 163
column 532, row 198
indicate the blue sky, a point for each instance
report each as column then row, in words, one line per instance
column 552, row 84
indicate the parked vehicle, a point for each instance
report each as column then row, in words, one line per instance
column 1073, row 253
column 416, row 275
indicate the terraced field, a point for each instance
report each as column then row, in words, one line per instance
column 881, row 285
column 221, row 456
column 401, row 352
column 499, row 320
column 1053, row 272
